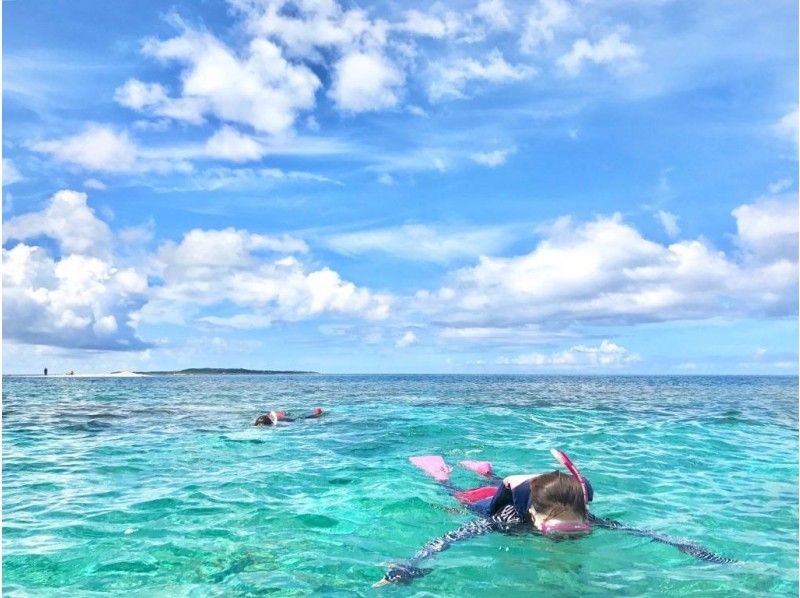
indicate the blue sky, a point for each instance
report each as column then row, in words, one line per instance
column 482, row 186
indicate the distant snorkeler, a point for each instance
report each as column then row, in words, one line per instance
column 273, row 417
column 554, row 504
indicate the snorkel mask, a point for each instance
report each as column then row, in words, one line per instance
column 569, row 529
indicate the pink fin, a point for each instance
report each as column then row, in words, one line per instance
column 483, row 468
column 476, row 494
column 434, row 466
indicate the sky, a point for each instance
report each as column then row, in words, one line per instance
column 486, row 186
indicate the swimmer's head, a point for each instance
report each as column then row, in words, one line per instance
column 268, row 419
column 557, row 496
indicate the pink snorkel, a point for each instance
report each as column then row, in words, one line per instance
column 569, row 528
column 565, row 461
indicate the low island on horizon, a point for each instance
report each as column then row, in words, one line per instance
column 220, row 371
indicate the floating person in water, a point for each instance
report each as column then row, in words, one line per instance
column 554, row 504
column 273, row 417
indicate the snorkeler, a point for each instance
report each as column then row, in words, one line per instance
column 553, row 504
column 273, row 417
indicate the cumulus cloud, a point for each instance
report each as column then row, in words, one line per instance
column 449, row 79
column 78, row 299
column 786, row 127
column 230, row 144
column 446, row 24
column 409, row 338
column 258, row 87
column 10, row 173
column 305, row 27
column 68, row 220
column 606, row 272
column 365, row 81
column 612, row 51
column 81, row 296
column 606, row 354
column 420, row 242
column 542, row 21
column 102, row 148
column 209, row 268
column 98, row 147
column 670, row 223
column 495, row 13
column 138, row 235
column 767, row 229
column 493, row 158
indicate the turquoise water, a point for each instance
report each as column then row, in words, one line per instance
column 160, row 486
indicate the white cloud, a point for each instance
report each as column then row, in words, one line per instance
column 209, row 268
column 364, row 82
column 229, row 144
column 138, row 235
column 611, row 51
column 493, row 158
column 767, row 229
column 259, row 88
column 67, row 219
column 449, row 79
column 101, row 148
column 83, row 298
column 606, row 354
column 604, row 272
column 495, row 13
column 526, row 333
column 669, row 222
column 542, row 21
column 98, row 147
column 304, row 27
column 424, row 243
column 446, row 24
column 786, row 127
column 94, row 184
column 386, row 179
column 138, row 95
column 214, row 179
column 239, row 321
column 80, row 299
column 10, row 173
column 780, row 185
column 409, row 338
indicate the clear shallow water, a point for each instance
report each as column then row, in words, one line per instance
column 161, row 487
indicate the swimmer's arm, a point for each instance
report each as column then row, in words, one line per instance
column 405, row 572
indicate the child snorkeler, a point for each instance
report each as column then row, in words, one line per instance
column 554, row 504
column 273, row 417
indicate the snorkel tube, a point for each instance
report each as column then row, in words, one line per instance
column 570, row 528
column 566, row 462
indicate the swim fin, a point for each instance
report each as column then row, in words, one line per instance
column 482, row 468
column 434, row 466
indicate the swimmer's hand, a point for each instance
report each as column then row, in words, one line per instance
column 401, row 574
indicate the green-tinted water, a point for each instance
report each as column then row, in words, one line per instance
column 161, row 487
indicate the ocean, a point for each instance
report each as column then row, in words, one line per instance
column 161, row 486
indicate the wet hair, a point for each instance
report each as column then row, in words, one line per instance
column 264, row 420
column 557, row 495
